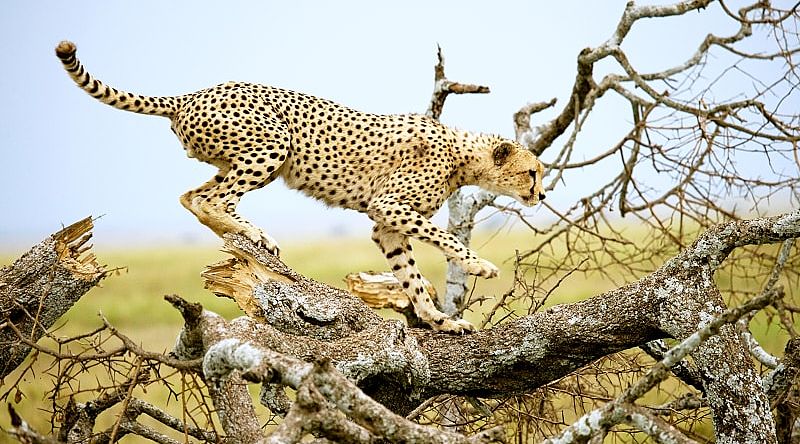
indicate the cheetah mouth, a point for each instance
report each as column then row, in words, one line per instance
column 527, row 200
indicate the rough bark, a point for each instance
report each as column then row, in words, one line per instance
column 230, row 396
column 782, row 389
column 269, row 291
column 400, row 366
column 462, row 209
column 235, row 410
column 230, row 351
column 41, row 286
column 621, row 409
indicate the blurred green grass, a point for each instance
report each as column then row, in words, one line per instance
column 132, row 298
column 142, row 276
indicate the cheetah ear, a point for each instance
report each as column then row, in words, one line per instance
column 501, row 153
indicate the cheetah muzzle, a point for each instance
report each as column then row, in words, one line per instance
column 398, row 169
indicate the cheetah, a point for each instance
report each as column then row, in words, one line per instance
column 398, row 169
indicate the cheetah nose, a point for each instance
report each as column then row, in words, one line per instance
column 541, row 196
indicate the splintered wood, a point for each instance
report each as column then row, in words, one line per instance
column 269, row 291
column 236, row 278
column 71, row 246
column 381, row 290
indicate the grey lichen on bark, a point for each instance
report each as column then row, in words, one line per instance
column 401, row 366
column 462, row 209
column 619, row 410
column 228, row 358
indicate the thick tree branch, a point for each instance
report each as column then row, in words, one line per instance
column 781, row 387
column 339, row 356
column 617, row 411
column 285, row 299
column 683, row 370
column 401, row 367
column 462, row 209
column 41, row 286
column 255, row 363
column 234, row 407
column 231, row 399
column 546, row 134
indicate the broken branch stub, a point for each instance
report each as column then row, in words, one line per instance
column 381, row 290
column 42, row 285
column 269, row 291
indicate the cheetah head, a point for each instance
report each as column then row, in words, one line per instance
column 515, row 172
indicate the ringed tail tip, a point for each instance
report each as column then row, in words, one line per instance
column 65, row 49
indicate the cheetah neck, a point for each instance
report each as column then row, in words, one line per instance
column 473, row 155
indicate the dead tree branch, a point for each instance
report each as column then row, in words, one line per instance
column 23, row 432
column 41, row 286
column 617, row 411
column 401, row 367
column 228, row 356
column 442, row 87
column 690, row 160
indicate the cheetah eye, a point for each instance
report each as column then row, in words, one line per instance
column 533, row 174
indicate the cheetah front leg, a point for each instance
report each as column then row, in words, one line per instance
column 399, row 255
column 401, row 217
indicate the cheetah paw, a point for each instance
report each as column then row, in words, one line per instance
column 480, row 267
column 270, row 245
column 454, row 326
column 263, row 240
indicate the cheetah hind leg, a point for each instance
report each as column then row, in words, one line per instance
column 399, row 255
column 214, row 204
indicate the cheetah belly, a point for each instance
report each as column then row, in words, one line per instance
column 347, row 186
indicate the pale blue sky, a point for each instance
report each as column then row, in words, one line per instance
column 66, row 155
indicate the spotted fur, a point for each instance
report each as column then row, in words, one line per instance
column 398, row 169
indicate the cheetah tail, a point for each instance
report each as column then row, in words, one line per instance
column 160, row 106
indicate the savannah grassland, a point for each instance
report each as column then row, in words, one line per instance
column 132, row 300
